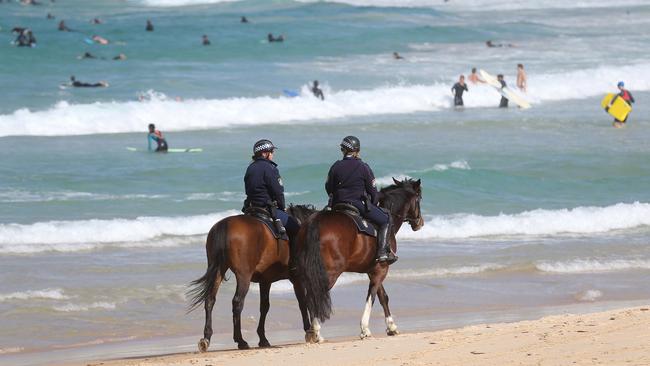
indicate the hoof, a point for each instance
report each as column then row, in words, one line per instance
column 392, row 332
column 365, row 334
column 243, row 345
column 203, row 345
column 312, row 337
column 264, row 344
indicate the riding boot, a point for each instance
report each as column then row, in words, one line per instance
column 384, row 254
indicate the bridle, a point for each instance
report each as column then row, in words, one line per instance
column 412, row 220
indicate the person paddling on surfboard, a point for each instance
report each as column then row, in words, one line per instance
column 504, row 101
column 627, row 97
column 157, row 137
column 78, row 84
column 458, row 90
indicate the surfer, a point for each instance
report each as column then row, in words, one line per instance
column 78, row 84
column 87, row 55
column 522, row 78
column 318, row 93
column 627, row 97
column 244, row 20
column 205, row 41
column 50, row 16
column 458, row 89
column 157, row 137
column 63, row 28
column 120, row 57
column 272, row 39
column 100, row 40
column 397, row 56
column 149, row 27
column 504, row 100
column 25, row 37
column 96, row 21
column 473, row 77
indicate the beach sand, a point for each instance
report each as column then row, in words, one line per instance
column 618, row 337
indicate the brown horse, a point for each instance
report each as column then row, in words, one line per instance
column 329, row 244
column 246, row 246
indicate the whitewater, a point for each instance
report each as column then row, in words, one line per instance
column 64, row 118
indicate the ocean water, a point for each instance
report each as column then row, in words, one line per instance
column 527, row 211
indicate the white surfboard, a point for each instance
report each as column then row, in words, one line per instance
column 506, row 92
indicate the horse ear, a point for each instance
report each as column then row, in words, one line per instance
column 417, row 183
column 396, row 181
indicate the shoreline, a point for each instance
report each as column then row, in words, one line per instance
column 609, row 337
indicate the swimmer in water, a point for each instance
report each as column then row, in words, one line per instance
column 63, row 28
column 397, row 56
column 100, row 40
column 78, row 84
column 149, row 27
column 244, row 20
column 205, row 41
column 318, row 93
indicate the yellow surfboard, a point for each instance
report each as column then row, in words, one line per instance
column 616, row 107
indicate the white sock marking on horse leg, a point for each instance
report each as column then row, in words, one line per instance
column 365, row 318
column 390, row 324
column 315, row 327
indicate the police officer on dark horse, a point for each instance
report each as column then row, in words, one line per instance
column 245, row 245
column 329, row 243
column 351, row 181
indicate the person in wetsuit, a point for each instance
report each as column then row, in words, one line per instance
column 156, row 137
column 205, row 41
column 627, row 97
column 78, row 84
column 318, row 93
column 504, row 101
column 351, row 181
column 264, row 188
column 458, row 90
column 25, row 37
column 149, row 27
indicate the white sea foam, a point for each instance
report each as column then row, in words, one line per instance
column 85, row 307
column 19, row 196
column 388, row 179
column 4, row 351
column 589, row 295
column 482, row 5
column 86, row 234
column 579, row 220
column 50, row 294
column 445, row 272
column 115, row 117
column 593, row 265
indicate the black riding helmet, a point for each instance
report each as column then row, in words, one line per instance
column 351, row 144
column 263, row 146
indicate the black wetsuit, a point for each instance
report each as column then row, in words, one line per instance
column 318, row 93
column 79, row 84
column 504, row 100
column 458, row 91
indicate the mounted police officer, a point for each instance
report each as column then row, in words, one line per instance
column 264, row 185
column 351, row 181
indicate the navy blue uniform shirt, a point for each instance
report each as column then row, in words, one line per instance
column 350, row 179
column 263, row 184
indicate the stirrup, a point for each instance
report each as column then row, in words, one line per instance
column 388, row 257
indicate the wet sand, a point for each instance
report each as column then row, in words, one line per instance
column 617, row 337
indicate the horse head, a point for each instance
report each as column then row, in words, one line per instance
column 402, row 199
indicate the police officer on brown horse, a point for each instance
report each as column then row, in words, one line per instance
column 264, row 185
column 351, row 181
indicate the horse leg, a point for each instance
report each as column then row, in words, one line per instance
column 237, row 307
column 300, row 296
column 376, row 278
column 204, row 343
column 313, row 334
column 265, row 289
column 391, row 327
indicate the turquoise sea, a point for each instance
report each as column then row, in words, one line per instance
column 528, row 212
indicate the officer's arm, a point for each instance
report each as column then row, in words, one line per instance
column 329, row 184
column 371, row 186
column 273, row 180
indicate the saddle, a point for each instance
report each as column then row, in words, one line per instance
column 263, row 216
column 352, row 212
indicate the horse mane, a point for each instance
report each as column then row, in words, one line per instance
column 397, row 193
column 301, row 212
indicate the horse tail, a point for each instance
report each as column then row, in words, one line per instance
column 216, row 248
column 313, row 276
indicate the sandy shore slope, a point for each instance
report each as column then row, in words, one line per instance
column 619, row 337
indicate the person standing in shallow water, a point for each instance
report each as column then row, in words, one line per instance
column 156, row 137
column 318, row 93
column 504, row 101
column 205, row 41
column 149, row 27
column 458, row 90
column 522, row 78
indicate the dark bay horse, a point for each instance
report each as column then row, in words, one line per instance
column 246, row 246
column 328, row 244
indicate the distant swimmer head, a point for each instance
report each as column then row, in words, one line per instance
column 72, row 78
column 315, row 82
column 620, row 84
column 152, row 127
column 350, row 144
